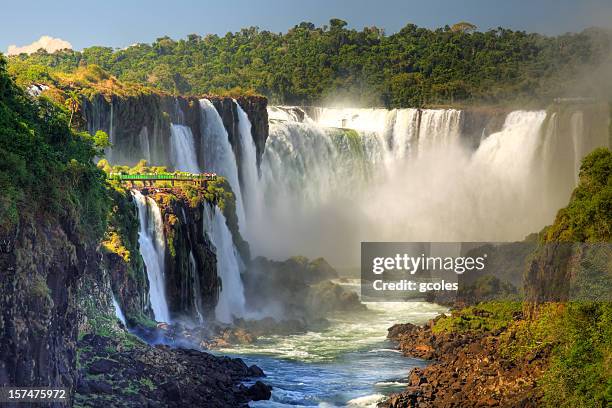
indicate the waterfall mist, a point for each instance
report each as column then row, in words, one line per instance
column 351, row 175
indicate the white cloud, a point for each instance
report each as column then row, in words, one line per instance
column 48, row 43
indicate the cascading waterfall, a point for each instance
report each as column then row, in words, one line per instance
column 118, row 312
column 348, row 175
column 195, row 286
column 439, row 128
column 152, row 248
column 183, row 152
column 145, row 146
column 231, row 298
column 405, row 132
column 248, row 167
column 218, row 156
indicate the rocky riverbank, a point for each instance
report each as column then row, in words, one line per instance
column 129, row 373
column 470, row 368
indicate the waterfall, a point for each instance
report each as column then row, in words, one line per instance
column 343, row 176
column 195, row 285
column 182, row 148
column 217, row 154
column 153, row 248
column 118, row 313
column 366, row 120
column 231, row 298
column 405, row 132
column 143, row 143
column 248, row 166
column 439, row 128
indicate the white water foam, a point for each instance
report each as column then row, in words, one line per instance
column 152, row 248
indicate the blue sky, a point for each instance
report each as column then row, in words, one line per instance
column 121, row 23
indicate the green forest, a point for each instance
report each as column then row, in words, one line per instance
column 333, row 63
column 46, row 168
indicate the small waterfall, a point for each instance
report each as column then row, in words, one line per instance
column 577, row 130
column 182, row 147
column 218, row 155
column 248, row 166
column 111, row 133
column 118, row 313
column 195, row 285
column 231, row 298
column 143, row 143
column 153, row 248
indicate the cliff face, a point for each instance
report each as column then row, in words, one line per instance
column 192, row 283
column 139, row 126
column 122, row 259
column 574, row 250
column 42, row 265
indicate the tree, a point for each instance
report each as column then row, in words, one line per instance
column 464, row 27
column 73, row 103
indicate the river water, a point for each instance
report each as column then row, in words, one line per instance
column 349, row 364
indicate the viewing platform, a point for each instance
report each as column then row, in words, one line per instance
column 151, row 178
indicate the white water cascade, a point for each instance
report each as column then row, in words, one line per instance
column 231, row 298
column 182, row 147
column 118, row 312
column 218, row 155
column 195, row 286
column 152, row 248
column 348, row 175
column 248, row 167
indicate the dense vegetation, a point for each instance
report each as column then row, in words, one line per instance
column 588, row 217
column 580, row 374
column 46, row 169
column 308, row 64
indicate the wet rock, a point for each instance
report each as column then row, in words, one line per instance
column 259, row 391
column 102, row 366
column 100, row 387
column 171, row 390
column 255, row 371
column 140, row 375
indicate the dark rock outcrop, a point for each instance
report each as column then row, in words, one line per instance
column 192, row 283
column 132, row 374
column 479, row 123
column 41, row 266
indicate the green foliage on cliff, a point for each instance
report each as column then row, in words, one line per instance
column 580, row 374
column 121, row 236
column 308, row 64
column 46, row 170
column 588, row 216
column 579, row 332
column 490, row 316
